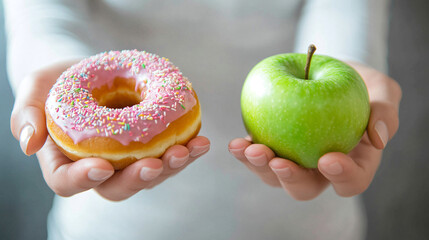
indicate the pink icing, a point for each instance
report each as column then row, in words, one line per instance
column 168, row 96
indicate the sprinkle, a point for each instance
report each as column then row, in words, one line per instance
column 72, row 92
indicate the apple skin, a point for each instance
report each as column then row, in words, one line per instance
column 301, row 120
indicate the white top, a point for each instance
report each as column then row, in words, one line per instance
column 215, row 44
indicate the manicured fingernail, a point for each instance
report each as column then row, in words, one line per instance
column 258, row 161
column 148, row 174
column 199, row 150
column 333, row 168
column 176, row 162
column 25, row 135
column 382, row 131
column 96, row 174
column 283, row 172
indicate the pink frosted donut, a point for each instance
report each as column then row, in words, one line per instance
column 122, row 106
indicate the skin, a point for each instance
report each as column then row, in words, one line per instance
column 349, row 174
column 66, row 177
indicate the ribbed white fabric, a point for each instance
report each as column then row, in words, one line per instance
column 215, row 43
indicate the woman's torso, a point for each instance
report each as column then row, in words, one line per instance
column 215, row 44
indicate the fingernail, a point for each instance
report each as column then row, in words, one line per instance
column 258, row 161
column 283, row 172
column 148, row 174
column 96, row 174
column 25, row 135
column 333, row 168
column 176, row 162
column 235, row 152
column 199, row 150
column 382, row 131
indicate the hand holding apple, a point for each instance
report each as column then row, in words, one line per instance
column 349, row 174
column 302, row 114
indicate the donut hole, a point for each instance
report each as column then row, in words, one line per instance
column 119, row 99
column 121, row 94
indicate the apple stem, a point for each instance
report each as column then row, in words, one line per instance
column 311, row 50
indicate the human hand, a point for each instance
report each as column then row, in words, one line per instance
column 349, row 174
column 65, row 177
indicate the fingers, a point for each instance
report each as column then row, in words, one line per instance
column 178, row 157
column 301, row 183
column 351, row 174
column 237, row 146
column 255, row 157
column 131, row 179
column 147, row 173
column 66, row 177
column 198, row 147
column 175, row 157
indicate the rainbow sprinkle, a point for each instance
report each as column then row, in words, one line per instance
column 74, row 109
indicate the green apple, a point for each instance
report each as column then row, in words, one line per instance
column 302, row 119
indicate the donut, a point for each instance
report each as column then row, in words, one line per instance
column 121, row 106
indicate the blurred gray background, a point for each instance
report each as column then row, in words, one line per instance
column 397, row 202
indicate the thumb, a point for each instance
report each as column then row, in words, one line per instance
column 28, row 114
column 383, row 123
column 28, row 122
column 385, row 95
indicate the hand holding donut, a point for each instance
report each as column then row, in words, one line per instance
column 349, row 174
column 65, row 177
